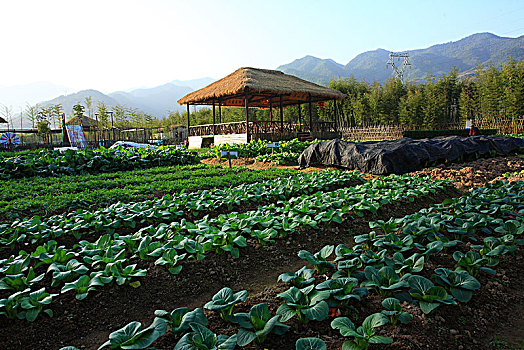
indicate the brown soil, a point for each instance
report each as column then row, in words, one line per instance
column 477, row 173
column 87, row 324
column 252, row 164
column 467, row 175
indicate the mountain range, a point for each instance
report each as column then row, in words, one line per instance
column 464, row 54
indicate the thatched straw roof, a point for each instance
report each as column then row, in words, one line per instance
column 263, row 86
column 84, row 121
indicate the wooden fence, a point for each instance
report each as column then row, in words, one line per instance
column 30, row 139
column 503, row 124
column 372, row 133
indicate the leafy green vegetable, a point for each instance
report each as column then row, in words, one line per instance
column 67, row 272
column 301, row 278
column 306, row 304
column 364, row 334
column 34, row 303
column 461, row 283
column 257, row 325
column 394, row 311
column 11, row 305
column 224, row 301
column 472, row 262
column 310, row 343
column 347, row 267
column 342, row 290
column 383, row 281
column 319, row 259
column 203, row 339
column 179, row 319
column 82, row 286
column 132, row 336
column 19, row 281
column 427, row 294
column 414, row 263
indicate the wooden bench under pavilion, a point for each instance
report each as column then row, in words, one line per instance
column 259, row 88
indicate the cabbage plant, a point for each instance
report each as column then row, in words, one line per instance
column 362, row 335
column 203, row 339
column 257, row 325
column 473, row 262
column 393, row 311
column 306, row 303
column 224, row 301
column 342, row 290
column 460, row 283
column 427, row 294
column 301, row 278
column 414, row 263
column 132, row 336
column 310, row 343
column 383, row 281
column 179, row 319
column 319, row 259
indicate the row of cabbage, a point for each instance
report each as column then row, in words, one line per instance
column 89, row 265
column 388, row 261
column 168, row 208
column 256, row 148
column 70, row 162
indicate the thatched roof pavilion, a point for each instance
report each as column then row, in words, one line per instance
column 263, row 86
column 84, row 121
column 260, row 88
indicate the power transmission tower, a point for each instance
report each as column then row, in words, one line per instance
column 398, row 70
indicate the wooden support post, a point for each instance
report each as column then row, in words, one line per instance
column 300, row 117
column 188, row 123
column 336, row 114
column 246, row 97
column 281, row 116
column 310, row 114
column 214, row 121
column 220, row 111
column 270, row 111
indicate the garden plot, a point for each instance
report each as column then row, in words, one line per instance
column 320, row 218
column 46, row 196
column 437, row 304
column 397, row 188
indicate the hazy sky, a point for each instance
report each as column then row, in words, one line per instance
column 120, row 44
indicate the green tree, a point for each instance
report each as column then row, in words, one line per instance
column 102, row 115
column 411, row 106
column 512, row 94
column 468, row 100
column 88, row 100
column 32, row 112
column 78, row 110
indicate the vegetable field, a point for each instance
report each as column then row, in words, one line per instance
column 192, row 256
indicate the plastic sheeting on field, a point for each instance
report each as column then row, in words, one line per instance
column 403, row 155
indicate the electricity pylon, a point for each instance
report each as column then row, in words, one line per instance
column 399, row 71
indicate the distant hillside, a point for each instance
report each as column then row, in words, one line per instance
column 465, row 54
column 68, row 101
column 155, row 101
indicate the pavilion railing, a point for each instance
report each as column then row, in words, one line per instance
column 260, row 127
column 273, row 127
column 218, row 129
